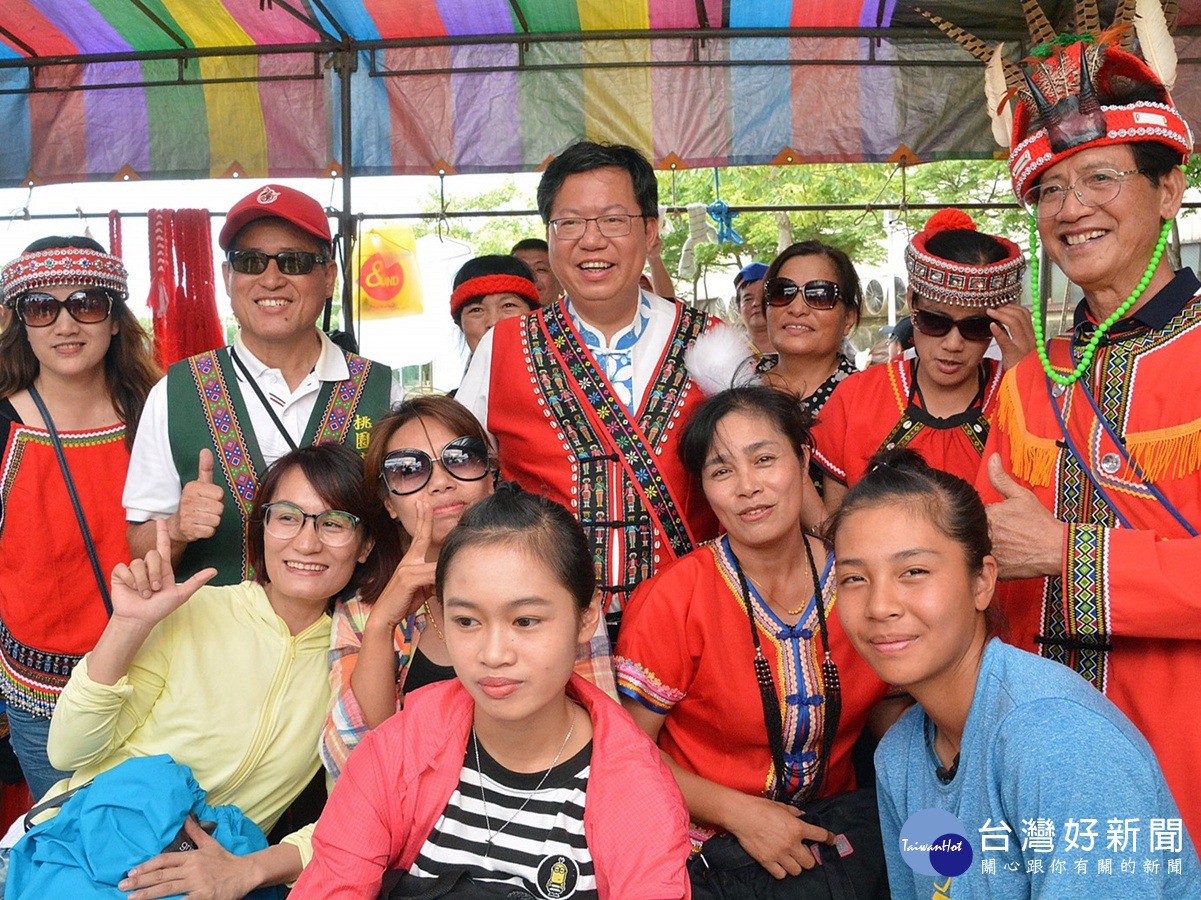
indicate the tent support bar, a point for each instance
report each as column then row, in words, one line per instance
column 163, row 26
column 530, row 213
column 138, row 85
column 346, row 63
column 966, row 63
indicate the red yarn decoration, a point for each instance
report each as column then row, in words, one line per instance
column 949, row 219
column 114, row 233
column 182, row 296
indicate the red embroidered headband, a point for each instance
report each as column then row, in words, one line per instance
column 1063, row 97
column 483, row 285
column 962, row 284
column 64, row 265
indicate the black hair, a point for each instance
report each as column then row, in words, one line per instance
column 966, row 245
column 781, row 409
column 584, row 156
column 902, row 476
column 849, row 288
column 541, row 527
column 57, row 242
column 530, row 244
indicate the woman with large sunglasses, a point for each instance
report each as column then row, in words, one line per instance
column 73, row 361
column 811, row 298
column 964, row 288
column 430, row 462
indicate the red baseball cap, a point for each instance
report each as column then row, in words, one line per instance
column 278, row 202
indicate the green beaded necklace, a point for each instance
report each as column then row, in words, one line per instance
column 1086, row 357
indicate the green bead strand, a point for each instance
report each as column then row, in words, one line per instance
column 1090, row 349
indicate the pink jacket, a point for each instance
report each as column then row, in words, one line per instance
column 398, row 781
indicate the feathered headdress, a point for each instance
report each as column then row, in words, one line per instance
column 1073, row 97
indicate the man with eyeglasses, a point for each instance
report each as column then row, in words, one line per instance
column 587, row 397
column 213, row 425
column 1092, row 468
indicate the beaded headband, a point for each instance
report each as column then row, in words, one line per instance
column 962, row 284
column 483, row 285
column 64, row 265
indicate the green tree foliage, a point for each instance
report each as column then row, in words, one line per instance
column 487, row 234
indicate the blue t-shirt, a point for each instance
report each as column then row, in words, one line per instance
column 1045, row 761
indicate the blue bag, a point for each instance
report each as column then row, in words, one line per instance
column 123, row 818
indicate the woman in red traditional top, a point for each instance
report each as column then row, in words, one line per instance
column 75, row 362
column 688, row 647
column 964, row 287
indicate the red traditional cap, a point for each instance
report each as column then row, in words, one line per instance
column 278, row 202
column 962, row 284
column 1064, row 110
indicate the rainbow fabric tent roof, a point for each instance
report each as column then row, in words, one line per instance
column 100, row 89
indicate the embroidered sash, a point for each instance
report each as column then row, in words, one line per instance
column 1117, row 478
column 624, row 499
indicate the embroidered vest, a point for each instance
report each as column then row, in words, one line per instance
column 562, row 433
column 205, row 409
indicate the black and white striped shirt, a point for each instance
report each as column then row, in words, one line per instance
column 542, row 850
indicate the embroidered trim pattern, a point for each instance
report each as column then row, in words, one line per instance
column 797, row 665
column 636, row 681
column 615, row 512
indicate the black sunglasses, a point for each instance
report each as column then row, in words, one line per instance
column 290, row 262
column 973, row 328
column 407, row 471
column 818, row 294
column 87, row 307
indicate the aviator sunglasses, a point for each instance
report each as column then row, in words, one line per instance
column 818, row 294
column 407, row 471
column 973, row 328
column 290, row 262
column 87, row 307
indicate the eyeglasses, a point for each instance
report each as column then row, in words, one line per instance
column 290, row 262
column 1094, row 189
column 818, row 294
column 611, row 226
column 285, row 520
column 407, row 471
column 973, row 328
column 87, row 307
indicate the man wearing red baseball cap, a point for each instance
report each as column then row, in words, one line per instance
column 213, row 425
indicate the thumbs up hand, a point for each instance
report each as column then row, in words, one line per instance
column 1027, row 540
column 200, row 505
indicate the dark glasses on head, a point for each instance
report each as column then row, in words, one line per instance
column 818, row 294
column 290, row 262
column 408, row 471
column 87, row 306
column 974, row 328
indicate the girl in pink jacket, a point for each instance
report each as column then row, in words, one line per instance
column 518, row 774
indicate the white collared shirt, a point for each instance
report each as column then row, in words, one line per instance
column 153, row 488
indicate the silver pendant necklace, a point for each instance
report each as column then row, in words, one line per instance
column 545, row 775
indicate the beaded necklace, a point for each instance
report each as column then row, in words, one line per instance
column 1086, row 356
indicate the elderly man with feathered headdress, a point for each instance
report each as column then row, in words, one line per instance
column 1093, row 466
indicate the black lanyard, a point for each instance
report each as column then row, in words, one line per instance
column 772, row 717
column 258, row 392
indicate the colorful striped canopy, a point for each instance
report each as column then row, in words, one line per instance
column 98, row 89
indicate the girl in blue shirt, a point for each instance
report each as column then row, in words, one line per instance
column 1055, row 793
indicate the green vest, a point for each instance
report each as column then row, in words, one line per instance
column 205, row 409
